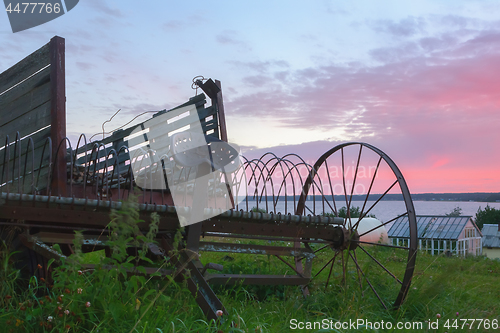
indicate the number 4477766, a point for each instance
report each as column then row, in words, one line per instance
column 29, row 7
column 471, row 324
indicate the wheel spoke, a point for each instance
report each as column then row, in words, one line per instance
column 345, row 261
column 321, row 248
column 385, row 269
column 330, row 273
column 348, row 212
column 380, row 244
column 289, row 265
column 369, row 283
column 371, row 185
column 350, row 159
column 329, row 261
column 355, row 174
column 376, row 202
column 383, row 224
column 359, row 276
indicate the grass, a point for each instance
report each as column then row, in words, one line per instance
column 109, row 300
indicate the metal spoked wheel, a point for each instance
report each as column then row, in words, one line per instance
column 359, row 182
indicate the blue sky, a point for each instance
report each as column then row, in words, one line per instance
column 416, row 79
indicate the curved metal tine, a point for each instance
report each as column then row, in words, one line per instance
column 310, row 180
column 280, row 162
column 369, row 191
column 270, row 172
column 48, row 142
column 302, row 183
column 261, row 176
column 140, row 152
column 286, row 176
column 265, row 178
column 85, row 155
column 71, row 164
column 6, row 158
column 96, row 147
column 369, row 283
column 268, row 177
column 237, row 183
column 115, row 166
column 320, row 186
column 254, row 177
column 30, row 144
column 378, row 263
column 331, row 191
column 122, row 148
column 383, row 224
column 309, row 168
column 290, row 174
column 17, row 146
column 380, row 244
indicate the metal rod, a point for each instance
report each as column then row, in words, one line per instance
column 282, row 239
column 394, row 276
column 380, row 244
column 369, row 283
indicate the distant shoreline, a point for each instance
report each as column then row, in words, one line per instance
column 449, row 197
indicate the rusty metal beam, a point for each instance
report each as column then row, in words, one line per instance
column 257, row 279
column 197, row 284
column 255, row 249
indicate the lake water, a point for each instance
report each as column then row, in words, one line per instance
column 386, row 210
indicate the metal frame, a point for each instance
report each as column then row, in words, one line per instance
column 51, row 215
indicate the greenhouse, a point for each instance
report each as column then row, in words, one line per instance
column 440, row 234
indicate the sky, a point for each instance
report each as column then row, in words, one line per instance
column 417, row 79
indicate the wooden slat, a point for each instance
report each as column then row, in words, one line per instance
column 205, row 112
column 40, row 183
column 25, row 68
column 198, row 100
column 24, row 97
column 39, row 140
column 31, row 122
column 20, row 162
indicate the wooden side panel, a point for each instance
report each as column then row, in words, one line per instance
column 32, row 104
column 161, row 133
column 25, row 68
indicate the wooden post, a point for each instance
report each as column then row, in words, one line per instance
column 222, row 117
column 58, row 115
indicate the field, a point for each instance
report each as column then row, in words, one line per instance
column 445, row 293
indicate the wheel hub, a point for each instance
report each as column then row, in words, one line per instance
column 344, row 238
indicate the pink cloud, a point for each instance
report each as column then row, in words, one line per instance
column 433, row 105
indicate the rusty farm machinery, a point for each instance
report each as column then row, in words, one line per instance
column 287, row 209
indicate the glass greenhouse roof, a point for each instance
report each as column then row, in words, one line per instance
column 437, row 227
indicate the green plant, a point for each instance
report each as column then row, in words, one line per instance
column 457, row 211
column 354, row 213
column 487, row 216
